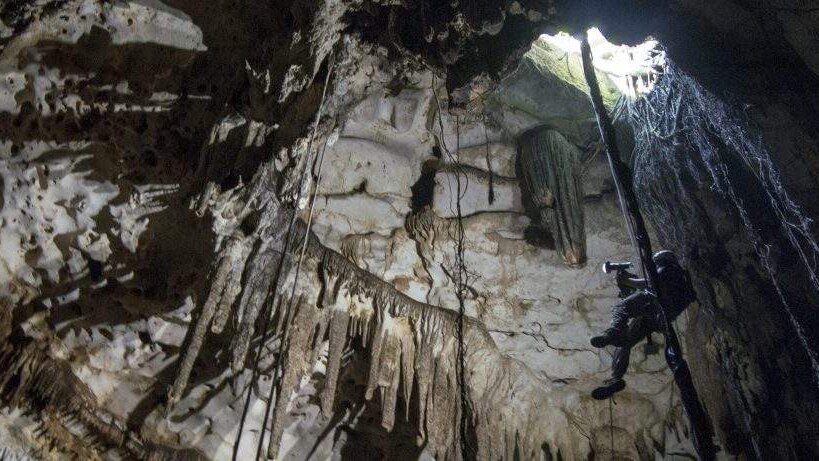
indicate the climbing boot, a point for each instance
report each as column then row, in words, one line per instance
column 612, row 336
column 609, row 388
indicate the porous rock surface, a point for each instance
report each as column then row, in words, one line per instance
column 151, row 157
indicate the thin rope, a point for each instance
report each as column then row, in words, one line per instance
column 460, row 273
column 680, row 112
column 488, row 162
column 274, row 389
column 611, row 425
column 290, row 311
column 273, row 286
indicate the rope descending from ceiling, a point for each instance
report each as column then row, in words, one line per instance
column 488, row 162
column 289, row 311
column 283, row 397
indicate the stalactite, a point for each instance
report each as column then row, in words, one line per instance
column 393, row 354
column 34, row 380
column 412, row 346
column 261, row 269
column 55, row 429
column 255, row 225
column 295, row 366
column 339, row 324
column 224, row 290
column 424, row 225
column 259, row 278
column 551, row 168
column 231, row 290
column 354, row 247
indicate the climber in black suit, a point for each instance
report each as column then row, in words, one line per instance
column 637, row 315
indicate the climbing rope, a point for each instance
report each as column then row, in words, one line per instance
column 290, row 310
column 290, row 307
column 488, row 162
column 611, row 425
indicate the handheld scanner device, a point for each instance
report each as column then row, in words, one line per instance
column 611, row 266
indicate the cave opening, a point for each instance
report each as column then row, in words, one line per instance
column 375, row 229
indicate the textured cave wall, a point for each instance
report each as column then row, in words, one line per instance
column 127, row 184
column 101, row 156
column 740, row 341
column 753, row 368
column 132, row 135
column 717, row 199
column 386, row 202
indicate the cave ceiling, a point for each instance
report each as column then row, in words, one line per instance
column 316, row 229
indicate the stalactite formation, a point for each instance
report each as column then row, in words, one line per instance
column 250, row 254
column 169, row 241
column 551, row 169
column 70, row 417
column 411, row 346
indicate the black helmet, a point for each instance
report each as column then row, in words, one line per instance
column 665, row 258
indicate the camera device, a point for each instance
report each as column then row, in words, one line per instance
column 611, row 266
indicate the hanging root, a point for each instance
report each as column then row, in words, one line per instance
column 686, row 135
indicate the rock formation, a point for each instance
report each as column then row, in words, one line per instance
column 370, row 229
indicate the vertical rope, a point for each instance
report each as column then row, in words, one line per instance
column 611, row 425
column 279, row 372
column 488, row 163
column 460, row 275
column 274, row 286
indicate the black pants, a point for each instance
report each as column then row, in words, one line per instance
column 637, row 330
column 638, row 304
column 634, row 316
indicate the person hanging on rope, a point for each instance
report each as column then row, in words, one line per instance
column 637, row 315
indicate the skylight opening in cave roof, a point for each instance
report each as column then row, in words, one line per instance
column 632, row 69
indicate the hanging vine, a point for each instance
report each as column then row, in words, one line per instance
column 461, row 275
column 683, row 133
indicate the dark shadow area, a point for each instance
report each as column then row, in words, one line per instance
column 423, row 190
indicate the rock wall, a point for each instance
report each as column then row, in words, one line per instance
column 749, row 58
column 754, row 255
column 154, row 155
column 121, row 185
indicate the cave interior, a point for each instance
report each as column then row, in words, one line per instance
column 372, row 229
